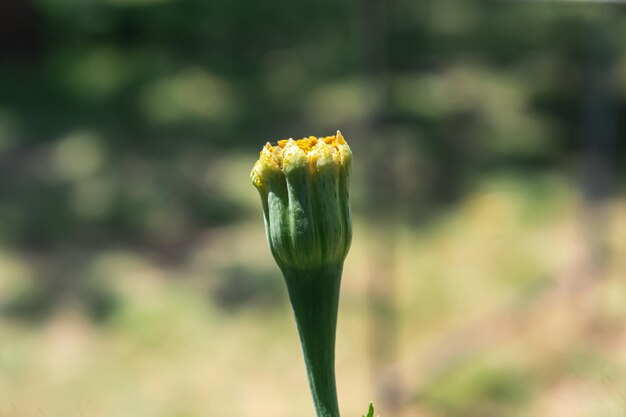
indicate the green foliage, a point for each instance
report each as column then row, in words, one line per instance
column 128, row 118
column 370, row 412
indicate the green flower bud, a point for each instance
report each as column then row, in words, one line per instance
column 304, row 190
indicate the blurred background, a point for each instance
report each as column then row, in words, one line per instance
column 486, row 276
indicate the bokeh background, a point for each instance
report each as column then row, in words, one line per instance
column 486, row 276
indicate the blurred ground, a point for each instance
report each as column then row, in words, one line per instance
column 486, row 277
column 493, row 321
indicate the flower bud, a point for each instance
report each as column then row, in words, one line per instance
column 304, row 191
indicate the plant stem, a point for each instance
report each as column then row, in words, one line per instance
column 314, row 296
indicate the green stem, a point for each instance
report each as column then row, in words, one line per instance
column 314, row 296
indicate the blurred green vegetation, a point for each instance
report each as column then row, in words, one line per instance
column 489, row 176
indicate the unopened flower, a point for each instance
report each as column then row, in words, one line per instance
column 304, row 190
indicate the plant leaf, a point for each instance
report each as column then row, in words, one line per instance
column 370, row 413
